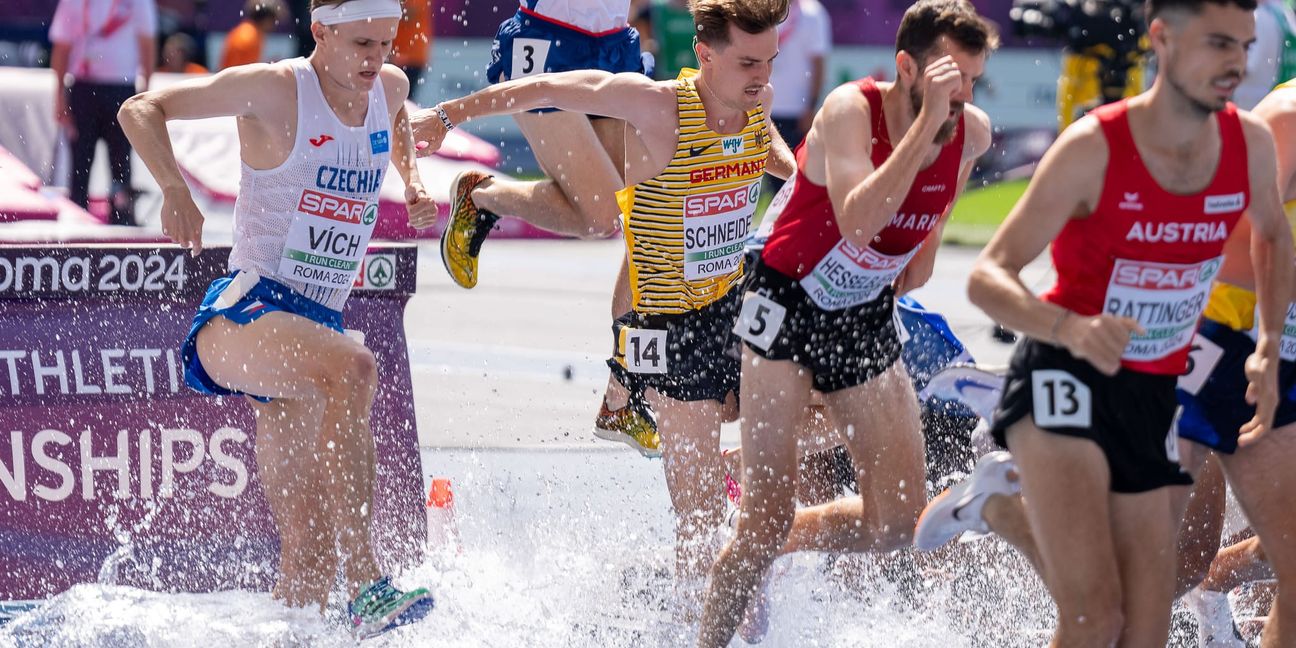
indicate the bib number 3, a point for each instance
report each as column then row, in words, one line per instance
column 759, row 320
column 529, row 56
column 1060, row 399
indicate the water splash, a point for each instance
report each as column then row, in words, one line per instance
column 573, row 550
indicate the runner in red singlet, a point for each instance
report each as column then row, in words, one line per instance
column 878, row 172
column 1138, row 199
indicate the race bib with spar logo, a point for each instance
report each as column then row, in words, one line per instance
column 1166, row 299
column 850, row 276
column 716, row 226
column 330, row 232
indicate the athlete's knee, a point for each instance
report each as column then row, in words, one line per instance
column 1194, row 565
column 897, row 529
column 353, row 369
column 765, row 526
column 363, row 365
column 1257, row 551
column 892, row 512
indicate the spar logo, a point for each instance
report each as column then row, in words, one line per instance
column 346, row 210
column 1152, row 276
column 722, row 202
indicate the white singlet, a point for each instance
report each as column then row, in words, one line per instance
column 306, row 223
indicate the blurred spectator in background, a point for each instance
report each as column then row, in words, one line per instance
column 301, row 32
column 672, row 36
column 244, row 43
column 413, row 43
column 1272, row 58
column 180, row 55
column 1105, row 49
column 104, row 51
column 804, row 41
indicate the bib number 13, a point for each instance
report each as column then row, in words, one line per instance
column 1060, row 399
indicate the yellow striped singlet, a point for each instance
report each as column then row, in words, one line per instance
column 686, row 229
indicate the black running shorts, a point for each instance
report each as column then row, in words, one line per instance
column 842, row 348
column 1131, row 415
column 687, row 356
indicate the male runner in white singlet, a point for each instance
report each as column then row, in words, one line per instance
column 312, row 132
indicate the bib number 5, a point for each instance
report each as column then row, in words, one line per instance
column 1061, row 400
column 759, row 320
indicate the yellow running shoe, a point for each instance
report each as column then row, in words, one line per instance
column 464, row 234
column 633, row 426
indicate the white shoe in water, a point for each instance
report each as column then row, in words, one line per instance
column 1215, row 627
column 958, row 509
column 977, row 387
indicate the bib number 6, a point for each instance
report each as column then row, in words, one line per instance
column 759, row 320
column 1061, row 400
column 1202, row 358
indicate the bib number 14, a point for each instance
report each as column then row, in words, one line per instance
column 645, row 351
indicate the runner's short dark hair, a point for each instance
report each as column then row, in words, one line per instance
column 711, row 18
column 1156, row 7
column 927, row 20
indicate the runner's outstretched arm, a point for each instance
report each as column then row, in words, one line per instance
column 235, row 92
column 632, row 97
column 422, row 210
